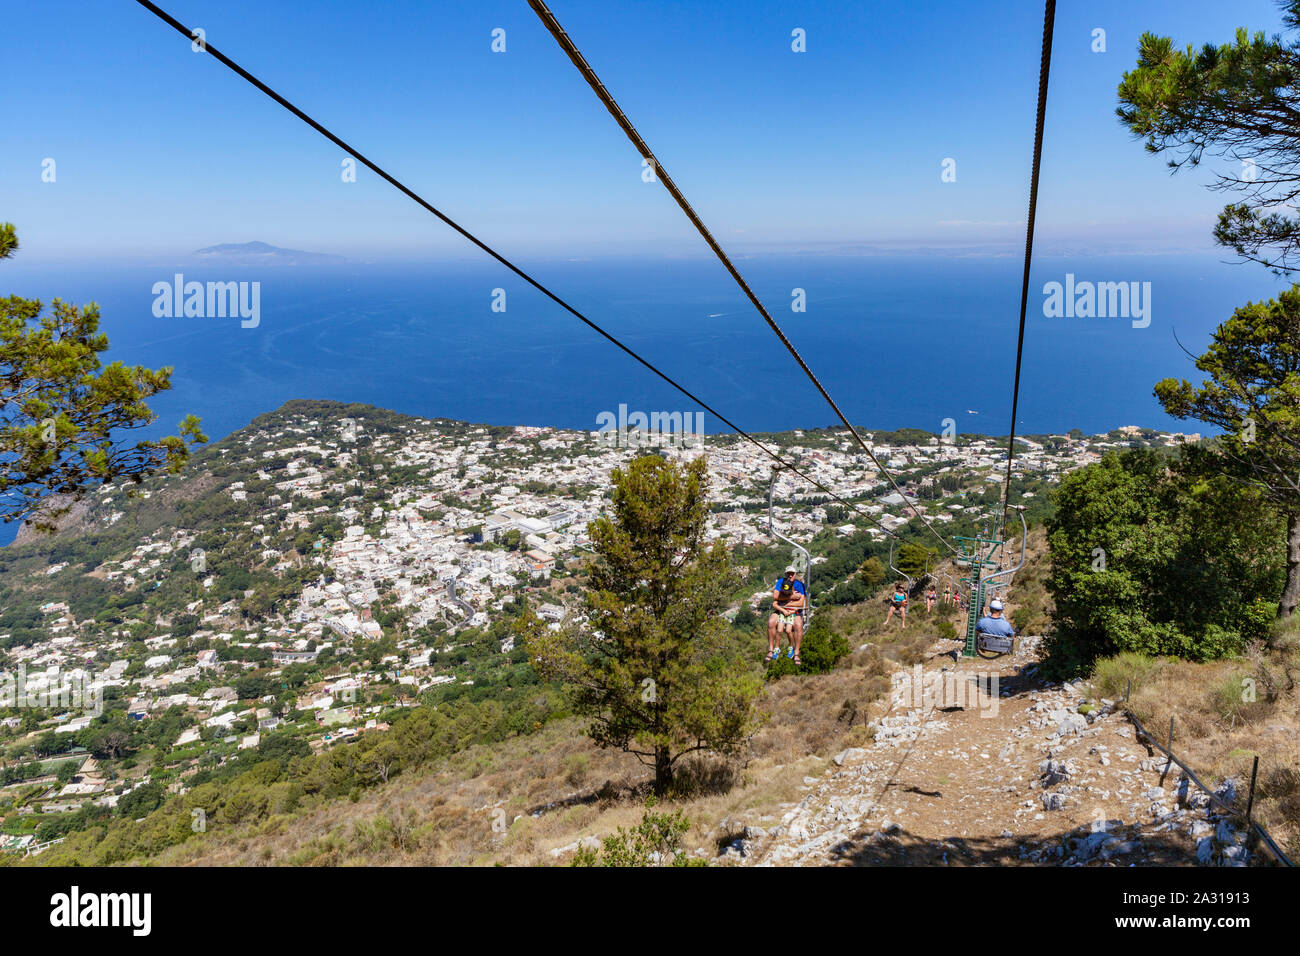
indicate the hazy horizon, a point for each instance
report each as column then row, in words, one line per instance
column 841, row 144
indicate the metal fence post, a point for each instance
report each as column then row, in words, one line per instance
column 1250, row 801
column 1169, row 764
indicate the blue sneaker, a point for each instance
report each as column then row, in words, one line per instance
column 790, row 653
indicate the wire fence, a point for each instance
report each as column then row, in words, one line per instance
column 1215, row 799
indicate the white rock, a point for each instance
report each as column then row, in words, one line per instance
column 1204, row 850
column 1227, row 833
column 851, row 754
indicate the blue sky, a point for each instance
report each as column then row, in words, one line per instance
column 160, row 151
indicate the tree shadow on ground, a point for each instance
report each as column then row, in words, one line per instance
column 902, row 848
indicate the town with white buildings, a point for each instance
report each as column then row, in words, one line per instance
column 361, row 557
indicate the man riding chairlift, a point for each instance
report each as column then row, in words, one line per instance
column 994, row 625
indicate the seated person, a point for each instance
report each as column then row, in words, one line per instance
column 994, row 623
column 898, row 602
column 789, row 598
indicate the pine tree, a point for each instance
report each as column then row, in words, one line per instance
column 654, row 664
column 63, row 411
column 1240, row 100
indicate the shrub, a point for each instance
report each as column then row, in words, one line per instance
column 1281, row 786
column 576, row 768
column 655, row 841
column 872, row 573
column 1225, row 698
column 141, row 801
column 819, row 652
column 1148, row 557
column 1111, row 676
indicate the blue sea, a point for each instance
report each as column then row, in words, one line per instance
column 899, row 341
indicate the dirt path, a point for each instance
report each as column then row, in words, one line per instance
column 1029, row 774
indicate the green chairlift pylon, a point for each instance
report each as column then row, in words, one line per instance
column 978, row 554
column 976, row 605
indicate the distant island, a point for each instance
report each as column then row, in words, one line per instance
column 262, row 252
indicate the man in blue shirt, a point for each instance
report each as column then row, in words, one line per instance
column 789, row 598
column 994, row 624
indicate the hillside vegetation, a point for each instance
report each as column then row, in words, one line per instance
column 537, row 798
column 502, row 766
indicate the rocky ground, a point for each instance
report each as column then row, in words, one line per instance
column 1032, row 773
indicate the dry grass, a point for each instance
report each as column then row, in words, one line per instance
column 1225, row 713
column 513, row 802
column 1030, row 606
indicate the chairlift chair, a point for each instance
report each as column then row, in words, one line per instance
column 802, row 556
column 956, row 586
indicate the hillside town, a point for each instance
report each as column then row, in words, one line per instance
column 397, row 555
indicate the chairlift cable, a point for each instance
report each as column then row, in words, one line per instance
column 661, row 174
column 1044, row 68
column 411, row 194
